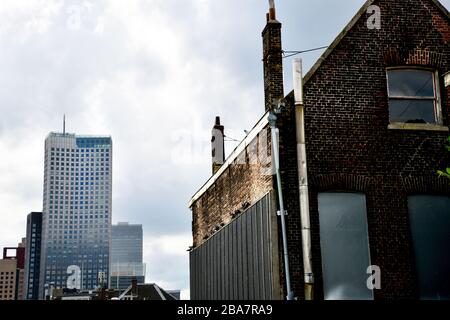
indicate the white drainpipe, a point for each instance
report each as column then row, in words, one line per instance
column 303, row 179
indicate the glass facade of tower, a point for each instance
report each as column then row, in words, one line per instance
column 126, row 255
column 33, row 255
column 76, row 212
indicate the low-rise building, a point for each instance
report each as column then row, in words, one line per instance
column 8, row 274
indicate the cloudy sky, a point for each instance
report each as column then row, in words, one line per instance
column 153, row 74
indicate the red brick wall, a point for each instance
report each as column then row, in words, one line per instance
column 350, row 147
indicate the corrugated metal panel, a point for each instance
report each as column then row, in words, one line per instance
column 236, row 263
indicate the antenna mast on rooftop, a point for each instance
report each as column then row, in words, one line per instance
column 64, row 125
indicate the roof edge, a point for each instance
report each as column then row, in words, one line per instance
column 348, row 27
column 337, row 40
column 236, row 152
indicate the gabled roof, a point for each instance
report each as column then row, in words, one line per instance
column 349, row 26
column 264, row 121
column 148, row 292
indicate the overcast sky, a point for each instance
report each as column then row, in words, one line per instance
column 153, row 74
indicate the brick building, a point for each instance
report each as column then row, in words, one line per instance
column 375, row 109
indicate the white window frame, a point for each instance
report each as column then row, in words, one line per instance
column 437, row 96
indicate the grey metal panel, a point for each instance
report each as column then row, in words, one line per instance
column 245, row 258
column 250, row 254
column 222, row 264
column 239, row 261
column 266, row 269
column 226, row 267
column 236, row 262
column 258, row 252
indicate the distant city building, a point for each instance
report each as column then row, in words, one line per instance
column 76, row 221
column 33, row 255
column 145, row 292
column 101, row 294
column 126, row 255
column 20, row 285
column 16, row 287
column 134, row 291
column 8, row 272
column 175, row 293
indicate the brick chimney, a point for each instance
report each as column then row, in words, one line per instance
column 272, row 59
column 218, row 146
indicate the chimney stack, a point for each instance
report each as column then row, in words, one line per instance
column 218, row 146
column 272, row 59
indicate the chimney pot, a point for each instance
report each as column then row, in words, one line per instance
column 217, row 146
column 272, row 11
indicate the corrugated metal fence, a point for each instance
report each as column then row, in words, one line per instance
column 236, row 263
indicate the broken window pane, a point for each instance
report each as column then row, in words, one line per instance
column 344, row 245
column 430, row 229
column 412, row 96
column 412, row 111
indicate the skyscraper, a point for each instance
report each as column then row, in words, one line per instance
column 126, row 255
column 76, row 218
column 33, row 255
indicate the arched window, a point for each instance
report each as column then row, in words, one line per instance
column 413, row 96
column 344, row 245
column 430, row 230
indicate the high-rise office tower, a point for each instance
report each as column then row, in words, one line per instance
column 76, row 221
column 33, row 255
column 126, row 255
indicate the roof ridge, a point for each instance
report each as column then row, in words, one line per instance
column 345, row 31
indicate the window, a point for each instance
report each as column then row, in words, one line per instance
column 344, row 245
column 430, row 229
column 413, row 96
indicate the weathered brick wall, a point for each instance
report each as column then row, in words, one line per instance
column 350, row 147
column 249, row 177
column 245, row 181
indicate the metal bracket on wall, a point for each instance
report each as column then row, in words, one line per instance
column 279, row 213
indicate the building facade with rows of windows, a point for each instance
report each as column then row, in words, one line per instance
column 33, row 255
column 76, row 220
column 8, row 274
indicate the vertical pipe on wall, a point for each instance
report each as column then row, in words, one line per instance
column 276, row 158
column 303, row 179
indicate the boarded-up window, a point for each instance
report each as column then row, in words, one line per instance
column 430, row 229
column 344, row 245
